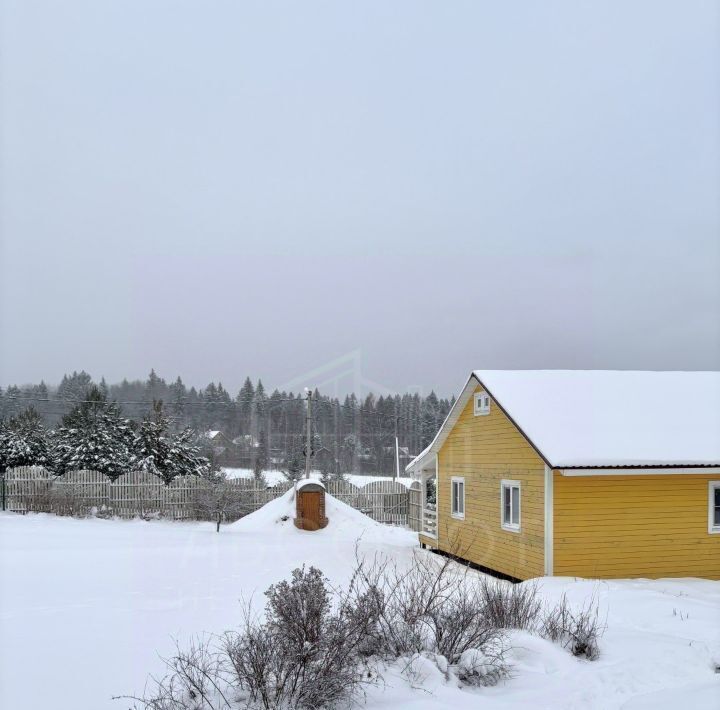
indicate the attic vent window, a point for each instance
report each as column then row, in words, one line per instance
column 482, row 404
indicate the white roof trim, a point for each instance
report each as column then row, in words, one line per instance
column 649, row 471
column 426, row 458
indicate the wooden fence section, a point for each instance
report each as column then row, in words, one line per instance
column 143, row 494
column 384, row 501
column 27, row 488
column 415, row 506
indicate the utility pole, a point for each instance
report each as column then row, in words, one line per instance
column 397, row 448
column 308, row 436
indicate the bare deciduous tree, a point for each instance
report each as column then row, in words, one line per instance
column 219, row 501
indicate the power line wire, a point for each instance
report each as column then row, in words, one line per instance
column 269, row 402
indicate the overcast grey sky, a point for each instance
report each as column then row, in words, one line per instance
column 216, row 189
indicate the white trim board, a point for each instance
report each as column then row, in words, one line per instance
column 663, row 470
column 549, row 528
column 712, row 486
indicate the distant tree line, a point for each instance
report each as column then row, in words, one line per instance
column 266, row 429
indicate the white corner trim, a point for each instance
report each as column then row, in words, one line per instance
column 549, row 521
column 662, row 470
column 712, row 529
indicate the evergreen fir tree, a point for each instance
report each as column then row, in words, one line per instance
column 75, row 387
column 178, row 398
column 428, row 419
column 245, row 405
column 294, row 463
column 13, row 401
column 24, row 442
column 94, row 436
column 261, row 459
column 164, row 454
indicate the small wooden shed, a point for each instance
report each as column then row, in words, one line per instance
column 310, row 505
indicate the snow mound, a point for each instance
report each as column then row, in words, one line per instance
column 344, row 522
column 269, row 515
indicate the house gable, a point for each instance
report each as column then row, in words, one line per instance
column 483, row 451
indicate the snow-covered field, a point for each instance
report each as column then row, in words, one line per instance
column 86, row 606
column 275, row 477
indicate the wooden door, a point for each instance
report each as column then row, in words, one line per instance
column 311, row 509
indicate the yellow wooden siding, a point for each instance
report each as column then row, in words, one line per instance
column 485, row 450
column 634, row 526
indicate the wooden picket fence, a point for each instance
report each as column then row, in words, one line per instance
column 415, row 506
column 384, row 501
column 32, row 488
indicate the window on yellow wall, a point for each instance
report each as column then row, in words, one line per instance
column 457, row 497
column 714, row 507
column 482, row 404
column 510, row 505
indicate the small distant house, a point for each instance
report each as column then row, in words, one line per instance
column 246, row 442
column 219, row 443
column 578, row 473
column 403, row 453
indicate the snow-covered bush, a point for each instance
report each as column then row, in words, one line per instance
column 305, row 654
column 577, row 630
column 432, row 607
column 316, row 646
column 484, row 666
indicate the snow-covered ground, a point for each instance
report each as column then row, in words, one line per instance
column 275, row 477
column 86, row 606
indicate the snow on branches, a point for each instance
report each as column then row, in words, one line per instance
column 164, row 454
column 96, row 436
column 23, row 441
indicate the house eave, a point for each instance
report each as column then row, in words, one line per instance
column 635, row 470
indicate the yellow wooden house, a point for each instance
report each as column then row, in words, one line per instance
column 578, row 473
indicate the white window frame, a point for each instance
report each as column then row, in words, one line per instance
column 510, row 526
column 460, row 513
column 712, row 528
column 481, row 407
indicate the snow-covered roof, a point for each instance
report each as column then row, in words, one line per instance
column 309, row 482
column 604, row 418
column 211, row 434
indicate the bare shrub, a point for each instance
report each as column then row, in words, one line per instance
column 69, row 499
column 509, row 606
column 304, row 655
column 432, row 607
column 197, row 679
column 316, row 646
column 579, row 631
column 36, row 497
